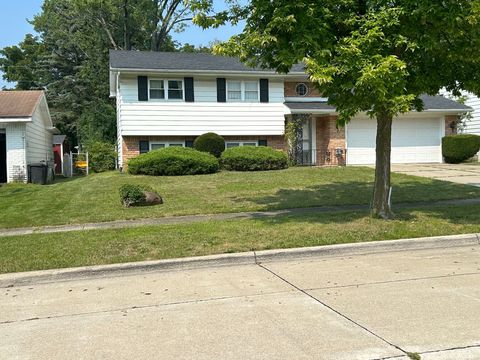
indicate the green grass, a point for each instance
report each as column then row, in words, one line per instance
column 45, row 251
column 95, row 198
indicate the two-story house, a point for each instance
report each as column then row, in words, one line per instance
column 168, row 99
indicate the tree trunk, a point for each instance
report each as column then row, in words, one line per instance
column 381, row 206
column 126, row 28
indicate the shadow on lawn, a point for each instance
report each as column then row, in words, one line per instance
column 360, row 193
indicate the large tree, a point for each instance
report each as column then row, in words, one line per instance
column 69, row 57
column 366, row 56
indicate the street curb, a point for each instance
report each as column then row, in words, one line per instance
column 245, row 258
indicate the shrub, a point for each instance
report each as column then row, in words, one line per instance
column 173, row 161
column 458, row 148
column 211, row 143
column 133, row 195
column 251, row 158
column 101, row 156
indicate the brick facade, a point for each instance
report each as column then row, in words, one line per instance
column 16, row 159
column 289, row 89
column 130, row 144
column 329, row 138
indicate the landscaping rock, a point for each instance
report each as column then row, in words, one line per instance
column 152, row 198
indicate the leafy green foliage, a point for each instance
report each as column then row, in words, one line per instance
column 133, row 195
column 173, row 161
column 70, row 56
column 253, row 158
column 101, row 156
column 211, row 143
column 458, row 148
column 370, row 56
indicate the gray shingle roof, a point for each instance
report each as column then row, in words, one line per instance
column 121, row 59
column 59, row 139
column 430, row 103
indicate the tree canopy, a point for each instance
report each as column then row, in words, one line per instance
column 69, row 57
column 373, row 56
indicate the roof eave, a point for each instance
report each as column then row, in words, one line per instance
column 207, row 72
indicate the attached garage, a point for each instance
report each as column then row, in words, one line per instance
column 414, row 140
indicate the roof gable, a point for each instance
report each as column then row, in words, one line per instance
column 19, row 104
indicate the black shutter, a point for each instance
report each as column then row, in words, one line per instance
column 262, row 142
column 189, row 143
column 142, row 88
column 189, row 92
column 221, row 90
column 144, row 146
column 264, row 90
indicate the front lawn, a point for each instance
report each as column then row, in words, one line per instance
column 95, row 198
column 46, row 251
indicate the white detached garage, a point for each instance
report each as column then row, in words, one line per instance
column 26, row 133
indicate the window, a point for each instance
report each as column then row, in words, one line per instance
column 251, row 90
column 164, row 144
column 231, row 144
column 301, row 89
column 157, row 90
column 175, row 89
column 166, row 89
column 234, row 90
column 242, row 91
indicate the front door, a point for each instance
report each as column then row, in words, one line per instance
column 3, row 158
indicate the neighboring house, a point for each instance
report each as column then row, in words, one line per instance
column 168, row 99
column 26, row 133
column 473, row 125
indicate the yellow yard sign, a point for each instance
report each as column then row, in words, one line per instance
column 81, row 164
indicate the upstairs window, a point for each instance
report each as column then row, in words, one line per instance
column 166, row 89
column 157, row 89
column 234, row 90
column 242, row 91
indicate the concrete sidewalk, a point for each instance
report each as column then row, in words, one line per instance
column 372, row 306
column 188, row 219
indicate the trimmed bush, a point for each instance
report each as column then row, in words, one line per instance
column 172, row 161
column 458, row 148
column 101, row 156
column 252, row 158
column 133, row 195
column 211, row 143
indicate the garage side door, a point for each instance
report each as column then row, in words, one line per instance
column 413, row 141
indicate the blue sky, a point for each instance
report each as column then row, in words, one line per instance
column 14, row 25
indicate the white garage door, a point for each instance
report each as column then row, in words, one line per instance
column 413, row 141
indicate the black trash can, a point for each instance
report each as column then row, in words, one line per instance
column 37, row 173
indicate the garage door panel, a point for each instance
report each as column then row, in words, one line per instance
column 413, row 141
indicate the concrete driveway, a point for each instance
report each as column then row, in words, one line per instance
column 377, row 306
column 458, row 173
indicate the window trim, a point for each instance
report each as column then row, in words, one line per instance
column 167, row 143
column 242, row 91
column 166, row 88
column 240, row 142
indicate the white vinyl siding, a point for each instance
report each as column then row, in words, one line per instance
column 414, row 140
column 38, row 139
column 174, row 118
column 473, row 126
